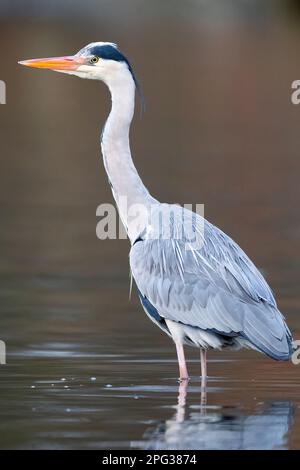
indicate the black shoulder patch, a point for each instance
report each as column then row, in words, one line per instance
column 139, row 239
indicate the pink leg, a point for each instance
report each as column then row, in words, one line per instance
column 183, row 373
column 203, row 376
column 203, row 365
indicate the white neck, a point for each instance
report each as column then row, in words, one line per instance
column 127, row 187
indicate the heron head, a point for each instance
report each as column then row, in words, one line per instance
column 98, row 60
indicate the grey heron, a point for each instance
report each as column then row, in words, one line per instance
column 208, row 294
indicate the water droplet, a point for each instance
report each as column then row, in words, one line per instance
column 32, row 386
column 108, row 385
column 66, row 386
column 93, row 379
column 136, row 397
column 68, row 410
column 63, row 379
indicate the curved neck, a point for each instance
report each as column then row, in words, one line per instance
column 127, row 187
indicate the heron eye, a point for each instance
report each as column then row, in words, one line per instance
column 94, row 59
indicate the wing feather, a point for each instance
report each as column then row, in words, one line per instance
column 215, row 287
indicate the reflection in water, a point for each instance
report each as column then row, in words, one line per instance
column 224, row 428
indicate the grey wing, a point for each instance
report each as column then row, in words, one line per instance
column 215, row 288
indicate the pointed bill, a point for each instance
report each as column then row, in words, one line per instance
column 54, row 63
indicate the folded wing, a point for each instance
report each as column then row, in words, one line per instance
column 214, row 287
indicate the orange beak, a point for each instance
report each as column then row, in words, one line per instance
column 55, row 63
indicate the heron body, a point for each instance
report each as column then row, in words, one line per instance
column 206, row 294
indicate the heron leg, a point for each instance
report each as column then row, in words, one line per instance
column 183, row 373
column 203, row 356
column 203, row 364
